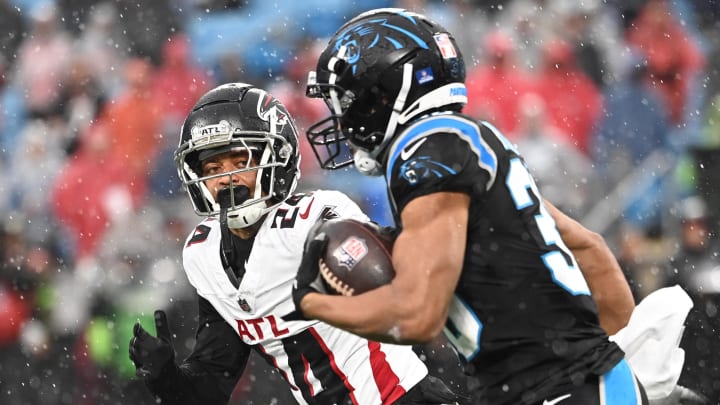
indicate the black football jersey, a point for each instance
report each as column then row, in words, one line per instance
column 522, row 315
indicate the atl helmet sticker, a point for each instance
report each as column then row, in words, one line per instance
column 350, row 252
column 208, row 131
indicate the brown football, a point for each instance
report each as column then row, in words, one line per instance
column 357, row 258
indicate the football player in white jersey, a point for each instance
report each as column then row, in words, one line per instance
column 238, row 160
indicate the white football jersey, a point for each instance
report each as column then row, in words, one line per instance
column 312, row 356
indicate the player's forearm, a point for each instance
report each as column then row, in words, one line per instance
column 614, row 310
column 427, row 258
column 607, row 283
column 601, row 270
column 375, row 315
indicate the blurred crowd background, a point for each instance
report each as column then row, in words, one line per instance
column 615, row 104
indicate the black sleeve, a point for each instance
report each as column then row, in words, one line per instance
column 211, row 371
column 444, row 362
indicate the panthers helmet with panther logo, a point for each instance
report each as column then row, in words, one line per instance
column 379, row 71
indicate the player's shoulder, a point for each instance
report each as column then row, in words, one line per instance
column 205, row 232
column 336, row 202
column 332, row 196
column 432, row 132
column 317, row 200
column 204, row 227
column 311, row 206
column 445, row 122
column 200, row 253
column 289, row 223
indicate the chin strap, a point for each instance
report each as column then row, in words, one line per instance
column 366, row 162
column 227, row 250
column 399, row 105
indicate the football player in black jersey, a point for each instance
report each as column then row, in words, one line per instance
column 479, row 253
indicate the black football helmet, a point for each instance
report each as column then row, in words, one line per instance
column 380, row 70
column 238, row 115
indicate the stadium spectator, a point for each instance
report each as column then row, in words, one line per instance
column 81, row 100
column 496, row 85
column 547, row 153
column 574, row 102
column 42, row 60
column 633, row 134
column 695, row 267
column 178, row 82
column 103, row 46
column 89, row 190
column 674, row 58
column 132, row 122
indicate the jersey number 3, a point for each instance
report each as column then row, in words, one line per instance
column 464, row 328
column 567, row 275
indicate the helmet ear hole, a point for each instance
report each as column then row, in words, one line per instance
column 366, row 102
column 339, row 66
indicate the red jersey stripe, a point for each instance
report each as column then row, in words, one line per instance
column 333, row 364
column 387, row 381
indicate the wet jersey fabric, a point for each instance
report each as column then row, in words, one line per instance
column 619, row 386
column 522, row 315
column 321, row 364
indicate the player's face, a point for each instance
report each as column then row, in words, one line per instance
column 225, row 163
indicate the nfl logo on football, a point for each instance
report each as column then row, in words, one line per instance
column 351, row 251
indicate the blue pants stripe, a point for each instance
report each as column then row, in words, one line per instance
column 618, row 386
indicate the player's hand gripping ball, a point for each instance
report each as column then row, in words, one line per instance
column 358, row 257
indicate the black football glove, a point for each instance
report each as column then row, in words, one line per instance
column 308, row 277
column 149, row 353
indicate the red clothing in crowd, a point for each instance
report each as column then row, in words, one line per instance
column 109, row 173
column 178, row 83
column 494, row 94
column 87, row 190
column 496, row 87
column 132, row 122
column 573, row 101
column 673, row 57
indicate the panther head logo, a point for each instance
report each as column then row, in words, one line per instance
column 424, row 168
column 380, row 33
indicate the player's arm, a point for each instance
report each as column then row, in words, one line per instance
column 602, row 272
column 427, row 257
column 211, row 371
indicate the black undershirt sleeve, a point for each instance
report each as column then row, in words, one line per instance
column 211, row 371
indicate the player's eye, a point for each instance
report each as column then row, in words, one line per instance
column 241, row 163
column 211, row 169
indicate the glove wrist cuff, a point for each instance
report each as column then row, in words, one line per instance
column 299, row 294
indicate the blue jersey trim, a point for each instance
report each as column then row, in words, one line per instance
column 620, row 387
column 467, row 130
